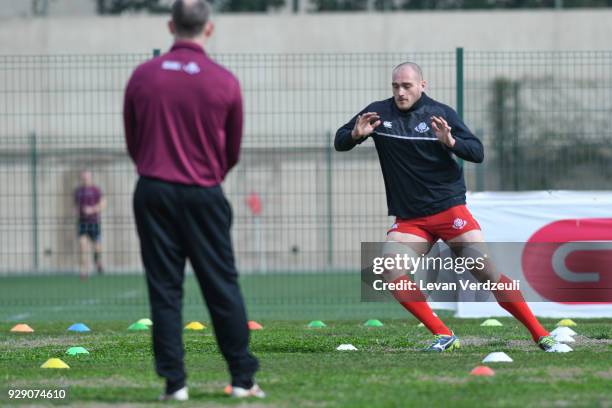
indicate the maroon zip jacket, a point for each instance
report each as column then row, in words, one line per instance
column 183, row 117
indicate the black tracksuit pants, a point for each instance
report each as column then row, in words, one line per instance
column 177, row 222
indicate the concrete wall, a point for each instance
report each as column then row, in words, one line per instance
column 73, row 103
column 355, row 32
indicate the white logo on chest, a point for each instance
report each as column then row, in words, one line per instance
column 422, row 127
column 387, row 124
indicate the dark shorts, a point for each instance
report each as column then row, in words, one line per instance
column 92, row 230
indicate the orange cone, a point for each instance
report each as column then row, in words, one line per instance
column 482, row 371
column 22, row 328
column 253, row 325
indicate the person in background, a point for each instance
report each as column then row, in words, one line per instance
column 89, row 204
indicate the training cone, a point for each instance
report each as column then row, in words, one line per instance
column 54, row 363
column 482, row 371
column 566, row 323
column 346, row 347
column 566, row 331
column 195, row 326
column 316, row 324
column 22, row 328
column 79, row 327
column 228, row 389
column 373, row 323
column 73, row 351
column 253, row 325
column 138, row 326
column 497, row 357
column 564, row 338
column 491, row 323
column 145, row 321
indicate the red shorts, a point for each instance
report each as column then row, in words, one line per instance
column 444, row 225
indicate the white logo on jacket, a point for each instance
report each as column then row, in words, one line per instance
column 191, row 68
column 171, row 65
column 387, row 124
column 422, row 127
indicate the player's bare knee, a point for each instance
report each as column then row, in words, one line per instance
column 402, row 254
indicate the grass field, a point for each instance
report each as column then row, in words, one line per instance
column 300, row 367
column 279, row 296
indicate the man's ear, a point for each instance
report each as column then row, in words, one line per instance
column 209, row 28
column 171, row 27
column 424, row 84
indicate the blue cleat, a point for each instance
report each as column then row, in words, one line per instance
column 444, row 343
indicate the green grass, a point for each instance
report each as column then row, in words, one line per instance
column 280, row 296
column 300, row 367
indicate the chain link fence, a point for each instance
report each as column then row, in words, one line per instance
column 542, row 118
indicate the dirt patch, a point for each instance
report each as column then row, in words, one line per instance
column 605, row 374
column 565, row 373
column 94, row 382
column 480, row 341
column 591, row 342
column 445, row 380
column 24, row 341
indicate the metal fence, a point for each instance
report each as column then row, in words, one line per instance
column 541, row 115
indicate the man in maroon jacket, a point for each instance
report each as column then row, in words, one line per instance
column 183, row 128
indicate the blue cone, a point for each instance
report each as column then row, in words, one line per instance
column 79, row 327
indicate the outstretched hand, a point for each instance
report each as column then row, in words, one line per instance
column 442, row 131
column 365, row 125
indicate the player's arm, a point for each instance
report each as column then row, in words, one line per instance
column 233, row 128
column 76, row 205
column 129, row 121
column 455, row 135
column 356, row 130
column 101, row 205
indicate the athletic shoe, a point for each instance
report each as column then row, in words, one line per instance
column 443, row 343
column 179, row 395
column 254, row 391
column 550, row 345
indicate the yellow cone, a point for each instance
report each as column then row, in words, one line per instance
column 566, row 323
column 195, row 326
column 54, row 363
column 22, row 328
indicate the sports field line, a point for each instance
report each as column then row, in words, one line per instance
column 19, row 316
column 128, row 294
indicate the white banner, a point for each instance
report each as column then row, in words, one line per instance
column 555, row 216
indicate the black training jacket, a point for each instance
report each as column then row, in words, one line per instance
column 421, row 176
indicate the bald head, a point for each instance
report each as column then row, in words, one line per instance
column 408, row 84
column 409, row 66
column 190, row 17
